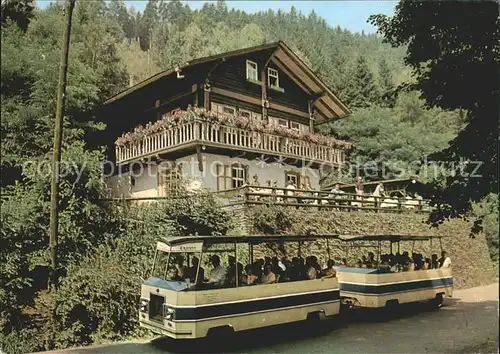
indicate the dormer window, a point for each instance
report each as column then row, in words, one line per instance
column 273, row 78
column 252, row 71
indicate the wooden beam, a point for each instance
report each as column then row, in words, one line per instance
column 292, row 76
column 256, row 101
column 206, row 95
column 168, row 102
column 195, row 91
column 200, row 158
column 310, row 108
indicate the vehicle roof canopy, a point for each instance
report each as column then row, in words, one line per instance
column 256, row 239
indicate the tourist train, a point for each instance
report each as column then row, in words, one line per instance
column 182, row 300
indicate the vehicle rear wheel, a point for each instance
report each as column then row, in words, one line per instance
column 220, row 332
column 391, row 308
column 437, row 302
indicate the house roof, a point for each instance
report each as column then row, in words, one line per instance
column 327, row 102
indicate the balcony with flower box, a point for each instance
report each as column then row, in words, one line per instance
column 199, row 127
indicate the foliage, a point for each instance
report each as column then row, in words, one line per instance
column 392, row 138
column 274, row 220
column 449, row 55
column 487, row 211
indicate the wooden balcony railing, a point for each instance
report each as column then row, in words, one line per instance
column 200, row 132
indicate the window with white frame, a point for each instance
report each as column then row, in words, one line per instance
column 252, row 71
column 229, row 110
column 282, row 122
column 245, row 113
column 295, row 126
column 220, row 108
column 256, row 116
column 231, row 176
column 273, row 79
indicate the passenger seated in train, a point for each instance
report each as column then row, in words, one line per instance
column 251, row 278
column 268, row 277
column 179, row 264
column 434, row 261
column 426, row 264
column 316, row 265
column 444, row 261
column 276, row 269
column 218, row 274
column 329, row 271
column 311, row 270
column 190, row 272
column 174, row 275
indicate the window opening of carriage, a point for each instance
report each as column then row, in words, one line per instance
column 273, row 77
column 252, row 71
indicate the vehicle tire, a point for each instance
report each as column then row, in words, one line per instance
column 220, row 332
column 391, row 308
column 437, row 302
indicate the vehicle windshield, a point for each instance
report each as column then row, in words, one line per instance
column 177, row 266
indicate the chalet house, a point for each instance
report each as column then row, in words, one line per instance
column 222, row 121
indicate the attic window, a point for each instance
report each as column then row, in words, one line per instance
column 252, row 73
column 273, row 78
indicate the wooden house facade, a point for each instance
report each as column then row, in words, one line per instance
column 182, row 133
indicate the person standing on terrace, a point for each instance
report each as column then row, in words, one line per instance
column 360, row 189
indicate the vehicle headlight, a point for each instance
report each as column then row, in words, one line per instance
column 143, row 305
column 170, row 313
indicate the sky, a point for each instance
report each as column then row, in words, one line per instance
column 351, row 15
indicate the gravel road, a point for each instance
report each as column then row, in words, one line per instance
column 468, row 323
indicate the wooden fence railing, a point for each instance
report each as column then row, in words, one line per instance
column 253, row 195
column 256, row 195
column 220, row 135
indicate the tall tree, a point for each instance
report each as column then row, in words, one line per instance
column 19, row 11
column 386, row 83
column 455, row 61
column 362, row 90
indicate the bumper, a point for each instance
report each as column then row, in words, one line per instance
column 165, row 331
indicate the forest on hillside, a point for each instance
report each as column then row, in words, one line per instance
column 113, row 47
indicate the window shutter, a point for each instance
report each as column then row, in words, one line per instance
column 246, row 176
column 220, row 177
column 228, row 177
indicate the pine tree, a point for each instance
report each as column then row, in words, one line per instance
column 386, row 84
column 361, row 90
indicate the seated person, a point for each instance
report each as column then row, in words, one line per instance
column 384, row 266
column 276, row 269
column 268, row 277
column 191, row 272
column 426, row 264
column 294, row 271
column 218, row 274
column 311, row 273
column 174, row 275
column 329, row 271
column 434, row 261
column 250, row 278
column 179, row 264
column 444, row 261
column 316, row 265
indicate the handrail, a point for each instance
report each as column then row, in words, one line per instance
column 217, row 134
column 349, row 201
